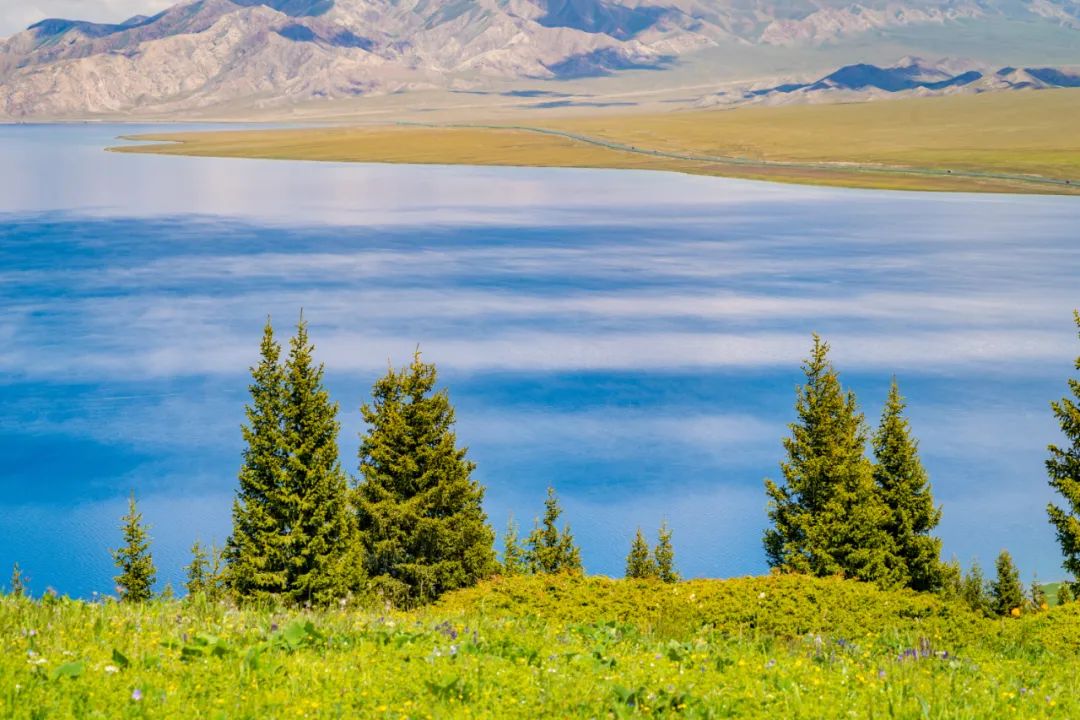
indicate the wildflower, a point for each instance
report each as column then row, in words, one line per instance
column 111, row 669
column 771, row 664
column 136, row 695
column 1015, row 612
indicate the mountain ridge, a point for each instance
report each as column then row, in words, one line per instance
column 201, row 54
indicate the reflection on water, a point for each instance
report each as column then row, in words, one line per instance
column 631, row 338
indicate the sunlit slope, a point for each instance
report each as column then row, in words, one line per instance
column 1008, row 142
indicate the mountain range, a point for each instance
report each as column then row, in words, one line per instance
column 251, row 54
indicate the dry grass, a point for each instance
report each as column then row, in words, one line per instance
column 915, row 144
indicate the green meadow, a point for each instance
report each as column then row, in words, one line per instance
column 781, row 646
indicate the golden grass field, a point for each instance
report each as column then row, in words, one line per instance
column 1001, row 142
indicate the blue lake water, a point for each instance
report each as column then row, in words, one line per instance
column 631, row 338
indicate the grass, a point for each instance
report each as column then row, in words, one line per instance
column 530, row 647
column 997, row 142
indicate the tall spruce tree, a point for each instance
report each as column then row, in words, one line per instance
column 134, row 560
column 294, row 531
column 664, row 555
column 827, row 517
column 513, row 560
column 550, row 550
column 1064, row 469
column 324, row 554
column 257, row 553
column 1007, row 591
column 422, row 522
column 905, row 488
column 640, row 564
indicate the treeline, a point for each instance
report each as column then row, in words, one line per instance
column 411, row 526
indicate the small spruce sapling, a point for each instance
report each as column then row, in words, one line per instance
column 1038, row 595
column 550, row 550
column 513, row 560
column 136, row 565
column 640, row 564
column 1007, row 591
column 18, row 581
column 664, row 555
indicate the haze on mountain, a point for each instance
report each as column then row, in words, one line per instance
column 234, row 57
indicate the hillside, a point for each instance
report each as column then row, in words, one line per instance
column 239, row 57
column 541, row 646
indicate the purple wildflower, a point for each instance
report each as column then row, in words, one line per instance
column 136, row 695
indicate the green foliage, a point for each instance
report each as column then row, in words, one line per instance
column 828, row 518
column 198, row 572
column 513, row 560
column 1063, row 467
column 640, row 565
column 547, row 646
column 324, row 558
column 1037, row 595
column 294, row 532
column 257, row 551
column 975, row 591
column 1064, row 594
column 550, row 550
column 421, row 518
column 905, row 489
column 664, row 555
column 134, row 560
column 1007, row 591
column 18, row 582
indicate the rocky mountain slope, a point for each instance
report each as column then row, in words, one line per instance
column 204, row 53
column 908, row 77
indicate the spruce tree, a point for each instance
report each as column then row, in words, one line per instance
column 422, row 522
column 664, row 556
column 975, row 591
column 257, row 554
column 550, row 550
column 1038, row 595
column 1007, row 591
column 136, row 565
column 640, row 565
column 827, row 517
column 18, row 581
column 905, row 489
column 952, row 580
column 198, row 571
column 294, row 531
column 1064, row 594
column 1063, row 467
column 513, row 562
column 323, row 549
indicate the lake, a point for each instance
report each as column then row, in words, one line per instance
column 632, row 338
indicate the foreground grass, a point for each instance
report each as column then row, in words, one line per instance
column 998, row 142
column 530, row 647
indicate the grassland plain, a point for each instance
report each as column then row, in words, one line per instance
column 997, row 142
column 547, row 646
